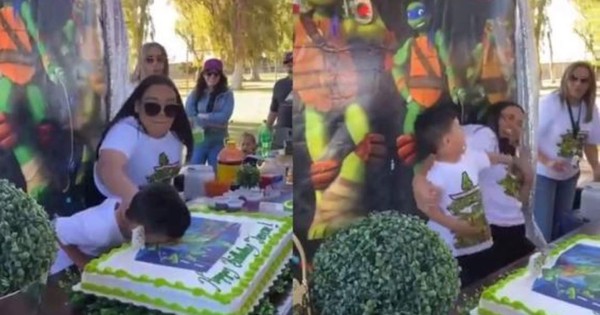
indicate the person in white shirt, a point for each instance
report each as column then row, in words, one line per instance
column 568, row 126
column 454, row 168
column 504, row 189
column 158, row 208
column 144, row 142
column 152, row 60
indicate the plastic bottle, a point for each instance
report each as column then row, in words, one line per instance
column 196, row 177
column 229, row 162
column 265, row 138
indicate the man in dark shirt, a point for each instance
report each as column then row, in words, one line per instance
column 281, row 106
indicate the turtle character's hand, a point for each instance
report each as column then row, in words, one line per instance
column 55, row 73
column 405, row 146
column 322, row 173
column 459, row 95
column 372, row 149
column 8, row 138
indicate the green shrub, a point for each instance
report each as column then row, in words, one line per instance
column 384, row 264
column 27, row 240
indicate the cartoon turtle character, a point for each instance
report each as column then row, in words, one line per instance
column 493, row 73
column 327, row 84
column 421, row 69
column 21, row 50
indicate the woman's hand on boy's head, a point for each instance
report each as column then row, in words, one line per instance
column 425, row 193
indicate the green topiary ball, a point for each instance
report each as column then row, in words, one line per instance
column 384, row 264
column 27, row 240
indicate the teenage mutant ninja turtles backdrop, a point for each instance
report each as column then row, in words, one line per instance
column 52, row 87
column 363, row 71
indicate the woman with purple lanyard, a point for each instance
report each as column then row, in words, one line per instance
column 568, row 126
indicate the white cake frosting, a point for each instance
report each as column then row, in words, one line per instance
column 515, row 295
column 234, row 280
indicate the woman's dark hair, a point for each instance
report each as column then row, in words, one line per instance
column 491, row 119
column 160, row 209
column 201, row 85
column 181, row 125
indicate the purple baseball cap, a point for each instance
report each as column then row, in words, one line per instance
column 213, row 65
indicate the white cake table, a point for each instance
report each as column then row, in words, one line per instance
column 590, row 201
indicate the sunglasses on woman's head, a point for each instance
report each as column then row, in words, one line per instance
column 153, row 109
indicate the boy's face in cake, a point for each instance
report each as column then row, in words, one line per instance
column 454, row 143
column 154, row 238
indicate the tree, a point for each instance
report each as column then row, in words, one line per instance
column 540, row 19
column 139, row 25
column 241, row 32
column 588, row 27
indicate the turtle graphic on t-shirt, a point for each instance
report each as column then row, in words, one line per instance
column 165, row 171
column 468, row 206
column 511, row 185
column 571, row 146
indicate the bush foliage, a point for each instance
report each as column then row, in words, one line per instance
column 384, row 264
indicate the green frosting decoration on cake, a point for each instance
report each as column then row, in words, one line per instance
column 490, row 293
column 288, row 206
column 223, row 298
column 160, row 303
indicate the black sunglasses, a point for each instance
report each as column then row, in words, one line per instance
column 153, row 109
column 212, row 74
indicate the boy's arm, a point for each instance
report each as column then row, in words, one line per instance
column 455, row 225
column 79, row 258
column 496, row 158
column 423, row 191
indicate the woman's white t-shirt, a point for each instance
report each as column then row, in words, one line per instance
column 149, row 159
column 461, row 198
column 500, row 196
column 555, row 138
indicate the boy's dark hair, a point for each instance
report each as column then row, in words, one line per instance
column 430, row 128
column 160, row 209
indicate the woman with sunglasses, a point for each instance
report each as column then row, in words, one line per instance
column 152, row 60
column 144, row 142
column 209, row 107
column 568, row 126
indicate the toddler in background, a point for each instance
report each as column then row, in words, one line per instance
column 248, row 144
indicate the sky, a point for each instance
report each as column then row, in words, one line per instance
column 562, row 16
column 164, row 16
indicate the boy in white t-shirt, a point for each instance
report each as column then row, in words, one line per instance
column 459, row 219
column 157, row 207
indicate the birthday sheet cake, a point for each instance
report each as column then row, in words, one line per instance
column 568, row 284
column 223, row 265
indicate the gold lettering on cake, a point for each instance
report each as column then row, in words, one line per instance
column 239, row 254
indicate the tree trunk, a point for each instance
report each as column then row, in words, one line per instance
column 238, row 75
column 540, row 20
column 551, row 50
column 255, row 71
column 238, row 46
